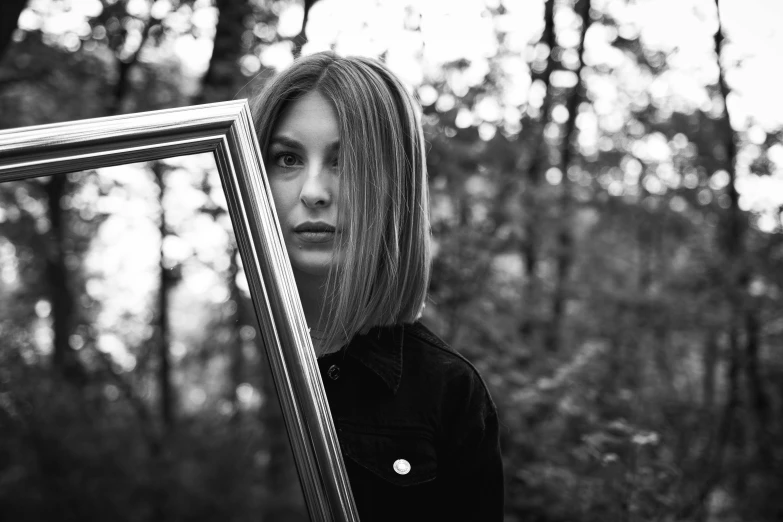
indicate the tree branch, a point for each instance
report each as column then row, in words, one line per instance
column 122, row 87
column 301, row 39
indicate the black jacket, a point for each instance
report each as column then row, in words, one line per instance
column 417, row 428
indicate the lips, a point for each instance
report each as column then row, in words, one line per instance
column 315, row 232
column 314, row 227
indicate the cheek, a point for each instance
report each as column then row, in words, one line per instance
column 283, row 195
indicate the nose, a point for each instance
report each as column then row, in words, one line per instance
column 317, row 187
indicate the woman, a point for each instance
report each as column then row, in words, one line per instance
column 344, row 153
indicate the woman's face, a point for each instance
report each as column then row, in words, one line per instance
column 302, row 169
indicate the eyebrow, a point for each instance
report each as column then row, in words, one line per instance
column 286, row 141
column 294, row 144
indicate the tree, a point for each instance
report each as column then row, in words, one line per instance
column 9, row 15
column 222, row 79
column 744, row 315
column 301, row 39
column 565, row 241
column 529, row 324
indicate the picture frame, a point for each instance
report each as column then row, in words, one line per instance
column 226, row 130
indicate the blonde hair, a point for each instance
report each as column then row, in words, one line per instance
column 384, row 203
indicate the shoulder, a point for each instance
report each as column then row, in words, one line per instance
column 421, row 342
column 427, row 356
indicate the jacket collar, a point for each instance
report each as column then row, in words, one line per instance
column 380, row 351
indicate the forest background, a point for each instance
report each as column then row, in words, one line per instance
column 607, row 188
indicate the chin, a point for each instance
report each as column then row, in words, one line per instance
column 319, row 270
column 312, row 267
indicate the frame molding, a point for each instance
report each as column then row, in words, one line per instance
column 225, row 129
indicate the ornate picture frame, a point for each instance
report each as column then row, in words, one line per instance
column 226, row 130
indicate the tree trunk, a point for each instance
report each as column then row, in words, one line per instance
column 713, row 461
column 744, row 314
column 757, row 394
column 239, row 320
column 61, row 296
column 167, row 281
column 223, row 79
column 731, row 242
column 565, row 239
column 9, row 18
column 122, row 87
column 166, row 404
column 710, row 362
column 301, row 38
column 530, row 245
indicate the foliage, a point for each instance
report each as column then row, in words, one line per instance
column 594, row 259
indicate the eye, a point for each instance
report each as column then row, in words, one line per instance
column 286, row 160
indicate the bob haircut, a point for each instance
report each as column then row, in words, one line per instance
column 383, row 200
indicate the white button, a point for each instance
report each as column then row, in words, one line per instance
column 402, row 466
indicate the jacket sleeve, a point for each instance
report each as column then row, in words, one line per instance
column 474, row 467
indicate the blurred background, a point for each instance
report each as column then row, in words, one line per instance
column 607, row 203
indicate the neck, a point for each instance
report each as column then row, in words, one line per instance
column 311, row 292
